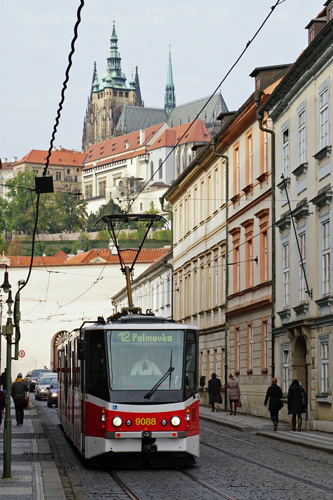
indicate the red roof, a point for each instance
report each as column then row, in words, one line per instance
column 7, row 165
column 146, row 256
column 197, row 133
column 18, row 261
column 58, row 157
column 122, row 144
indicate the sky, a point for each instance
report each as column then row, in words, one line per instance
column 206, row 38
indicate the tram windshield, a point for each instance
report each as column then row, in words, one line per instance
column 140, row 358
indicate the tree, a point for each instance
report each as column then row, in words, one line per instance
column 110, row 208
column 83, row 243
column 70, row 211
column 19, row 212
column 16, row 247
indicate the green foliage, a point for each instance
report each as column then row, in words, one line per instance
column 164, row 235
column 16, row 247
column 93, row 220
column 83, row 243
column 103, row 235
column 19, row 212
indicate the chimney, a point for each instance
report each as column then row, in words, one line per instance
column 142, row 137
column 14, row 159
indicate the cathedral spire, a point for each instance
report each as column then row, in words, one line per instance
column 138, row 98
column 170, row 97
column 94, row 84
column 114, row 77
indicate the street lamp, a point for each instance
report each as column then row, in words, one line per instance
column 7, row 330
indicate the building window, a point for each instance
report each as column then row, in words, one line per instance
column 235, row 233
column 68, row 171
column 311, row 34
column 285, row 368
column 58, row 175
column 302, row 262
column 250, row 347
column 324, row 365
column 326, row 258
column 121, row 94
column 236, row 170
column 301, row 136
column 263, row 150
column 264, row 256
column 285, row 153
column 323, row 117
column 88, row 191
column 285, row 266
column 249, row 159
column 264, row 343
column 160, row 169
column 237, row 349
column 102, row 188
column 330, row 12
column 151, row 170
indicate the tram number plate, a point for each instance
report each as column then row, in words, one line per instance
column 145, row 421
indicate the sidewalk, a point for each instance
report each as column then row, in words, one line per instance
column 263, row 427
column 34, row 474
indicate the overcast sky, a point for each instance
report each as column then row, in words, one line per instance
column 205, row 37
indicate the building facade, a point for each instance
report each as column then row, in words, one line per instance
column 302, row 111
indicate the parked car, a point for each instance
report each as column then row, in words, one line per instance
column 34, row 375
column 52, row 395
column 43, row 385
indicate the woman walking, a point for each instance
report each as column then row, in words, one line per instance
column 234, row 394
column 297, row 403
column 19, row 388
column 274, row 395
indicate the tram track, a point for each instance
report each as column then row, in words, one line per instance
column 284, row 474
column 258, row 445
column 134, row 496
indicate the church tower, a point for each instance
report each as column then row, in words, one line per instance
column 170, row 97
column 108, row 98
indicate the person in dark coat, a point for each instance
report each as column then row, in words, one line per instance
column 18, row 391
column 3, row 379
column 214, row 389
column 297, row 403
column 234, row 394
column 274, row 395
column 2, row 403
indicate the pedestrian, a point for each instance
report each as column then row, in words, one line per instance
column 297, row 404
column 3, row 379
column 2, row 403
column 214, row 390
column 234, row 394
column 274, row 395
column 18, row 392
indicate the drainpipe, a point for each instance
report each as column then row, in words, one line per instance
column 256, row 98
column 168, row 265
column 226, row 158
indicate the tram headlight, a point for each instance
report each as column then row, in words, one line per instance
column 175, row 421
column 117, row 421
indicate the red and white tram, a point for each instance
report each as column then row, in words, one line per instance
column 129, row 385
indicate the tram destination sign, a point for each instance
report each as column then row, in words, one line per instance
column 144, row 337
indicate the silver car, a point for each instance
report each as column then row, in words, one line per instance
column 43, row 385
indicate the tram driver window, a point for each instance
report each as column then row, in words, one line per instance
column 97, row 382
column 190, row 375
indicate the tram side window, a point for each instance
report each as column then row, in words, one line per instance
column 191, row 362
column 96, row 372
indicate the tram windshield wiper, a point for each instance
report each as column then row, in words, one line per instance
column 156, row 386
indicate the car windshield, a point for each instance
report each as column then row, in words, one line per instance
column 45, row 381
column 139, row 358
column 54, row 384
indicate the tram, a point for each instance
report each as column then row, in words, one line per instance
column 129, row 385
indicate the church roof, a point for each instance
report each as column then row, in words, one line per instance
column 188, row 112
column 136, row 118
column 58, row 157
column 196, row 133
column 39, row 261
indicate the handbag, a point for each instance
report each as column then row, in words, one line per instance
column 304, row 401
column 239, row 404
column 280, row 404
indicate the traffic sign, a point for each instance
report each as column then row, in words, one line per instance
column 21, row 353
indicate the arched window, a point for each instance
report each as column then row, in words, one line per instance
column 160, row 169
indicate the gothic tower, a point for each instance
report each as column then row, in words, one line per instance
column 108, row 98
column 170, row 97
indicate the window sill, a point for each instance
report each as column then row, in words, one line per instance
column 301, row 169
column 235, row 199
column 325, row 304
column 248, row 189
column 324, row 398
column 323, row 153
column 249, row 372
column 285, row 315
column 262, row 177
column 265, row 370
column 301, row 310
column 281, row 185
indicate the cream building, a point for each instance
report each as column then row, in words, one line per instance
column 302, row 111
